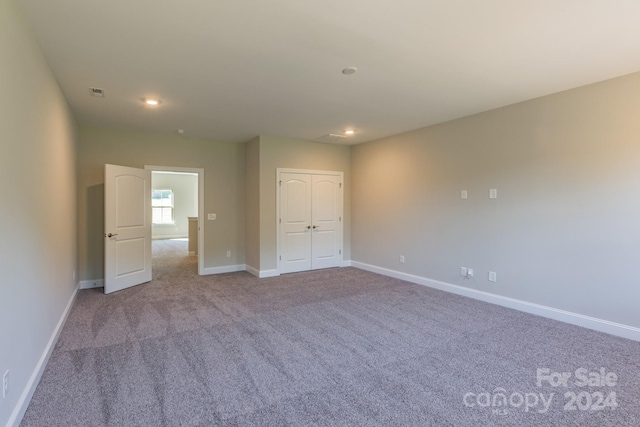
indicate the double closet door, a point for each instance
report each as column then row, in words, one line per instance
column 310, row 220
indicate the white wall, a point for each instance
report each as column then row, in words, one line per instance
column 38, row 254
column 185, row 192
column 563, row 232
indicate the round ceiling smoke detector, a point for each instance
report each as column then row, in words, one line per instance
column 349, row 70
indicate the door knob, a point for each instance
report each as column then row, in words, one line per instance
column 316, row 226
column 112, row 235
column 308, row 227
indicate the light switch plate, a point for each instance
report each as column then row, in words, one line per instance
column 211, row 216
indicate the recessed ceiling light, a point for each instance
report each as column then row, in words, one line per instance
column 151, row 101
column 349, row 70
column 349, row 132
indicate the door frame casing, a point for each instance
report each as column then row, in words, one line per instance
column 310, row 172
column 200, row 173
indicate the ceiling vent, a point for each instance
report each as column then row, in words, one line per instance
column 97, row 92
column 332, row 137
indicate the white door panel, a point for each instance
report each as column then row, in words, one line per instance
column 297, row 247
column 310, row 221
column 295, row 222
column 297, row 200
column 130, row 200
column 129, row 256
column 324, row 199
column 326, row 219
column 324, row 243
column 127, row 227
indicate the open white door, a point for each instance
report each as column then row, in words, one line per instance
column 127, row 227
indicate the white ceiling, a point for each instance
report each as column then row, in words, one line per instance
column 230, row 70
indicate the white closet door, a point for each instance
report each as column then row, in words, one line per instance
column 295, row 222
column 310, row 220
column 326, row 208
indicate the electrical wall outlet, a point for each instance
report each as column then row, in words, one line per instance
column 211, row 216
column 228, row 254
column 463, row 271
column 492, row 276
column 5, row 384
column 402, row 259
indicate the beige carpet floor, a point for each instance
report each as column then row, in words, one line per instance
column 337, row 347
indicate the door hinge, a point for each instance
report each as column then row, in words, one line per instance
column 340, row 185
column 280, row 257
column 279, row 220
column 340, row 252
column 340, row 218
column 280, row 183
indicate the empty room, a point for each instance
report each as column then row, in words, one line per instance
column 345, row 213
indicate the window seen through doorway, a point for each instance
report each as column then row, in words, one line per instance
column 162, row 206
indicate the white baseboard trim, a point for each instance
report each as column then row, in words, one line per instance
column 223, row 269
column 273, row 273
column 253, row 270
column 34, row 379
column 261, row 274
column 169, row 236
column 589, row 322
column 268, row 273
column 91, row 284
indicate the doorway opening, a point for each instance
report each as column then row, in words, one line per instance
column 177, row 204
